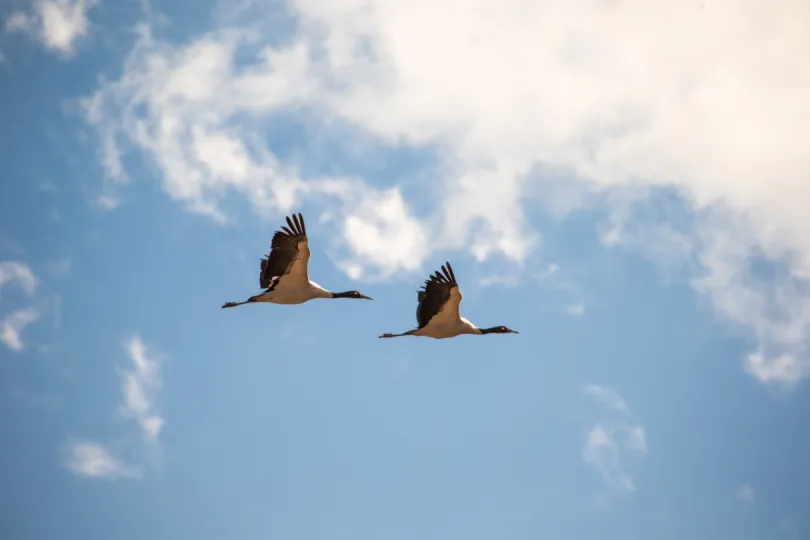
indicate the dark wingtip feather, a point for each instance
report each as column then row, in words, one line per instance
column 452, row 274
column 303, row 225
column 446, row 273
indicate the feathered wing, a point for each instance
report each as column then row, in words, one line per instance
column 289, row 253
column 439, row 295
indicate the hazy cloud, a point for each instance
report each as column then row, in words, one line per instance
column 612, row 444
column 140, row 386
column 94, row 460
column 58, row 24
column 15, row 271
column 575, row 310
column 13, row 325
column 744, row 493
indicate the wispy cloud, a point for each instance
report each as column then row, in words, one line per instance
column 193, row 109
column 744, row 493
column 791, row 528
column 502, row 280
column 608, row 397
column 612, row 444
column 13, row 326
column 94, row 460
column 108, row 202
column 13, row 323
column 575, row 310
column 550, row 271
column 15, row 271
column 140, row 386
column 58, row 24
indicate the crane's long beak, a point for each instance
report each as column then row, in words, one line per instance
column 513, row 331
column 365, row 297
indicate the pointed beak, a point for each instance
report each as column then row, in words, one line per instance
column 363, row 296
column 513, row 331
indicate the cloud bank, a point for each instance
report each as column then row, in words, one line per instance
column 609, row 95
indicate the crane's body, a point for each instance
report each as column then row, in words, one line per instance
column 437, row 313
column 284, row 274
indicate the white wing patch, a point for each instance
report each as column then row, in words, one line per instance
column 301, row 261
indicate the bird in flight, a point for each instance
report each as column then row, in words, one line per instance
column 283, row 273
column 437, row 314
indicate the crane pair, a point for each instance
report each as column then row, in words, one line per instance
column 283, row 276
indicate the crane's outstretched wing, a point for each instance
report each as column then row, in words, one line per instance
column 289, row 253
column 439, row 296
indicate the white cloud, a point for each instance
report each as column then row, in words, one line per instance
column 15, row 322
column 606, row 92
column 612, row 445
column 14, row 271
column 744, row 493
column 140, row 386
column 108, row 202
column 17, row 22
column 57, row 23
column 94, row 460
column 380, row 230
column 605, row 449
column 575, row 310
column 190, row 110
column 550, row 271
column 13, row 325
column 608, row 396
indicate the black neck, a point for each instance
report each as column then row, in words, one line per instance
column 493, row 330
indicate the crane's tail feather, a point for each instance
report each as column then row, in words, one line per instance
column 408, row 333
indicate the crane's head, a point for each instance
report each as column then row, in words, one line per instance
column 498, row 330
column 351, row 294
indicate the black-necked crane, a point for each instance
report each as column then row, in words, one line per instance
column 437, row 314
column 283, row 273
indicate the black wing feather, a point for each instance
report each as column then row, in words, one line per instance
column 283, row 250
column 435, row 292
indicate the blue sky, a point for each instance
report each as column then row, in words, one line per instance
column 641, row 222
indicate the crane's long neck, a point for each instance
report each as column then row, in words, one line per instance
column 493, row 330
column 317, row 291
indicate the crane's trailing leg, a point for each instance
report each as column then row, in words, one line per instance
column 234, row 304
column 408, row 333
